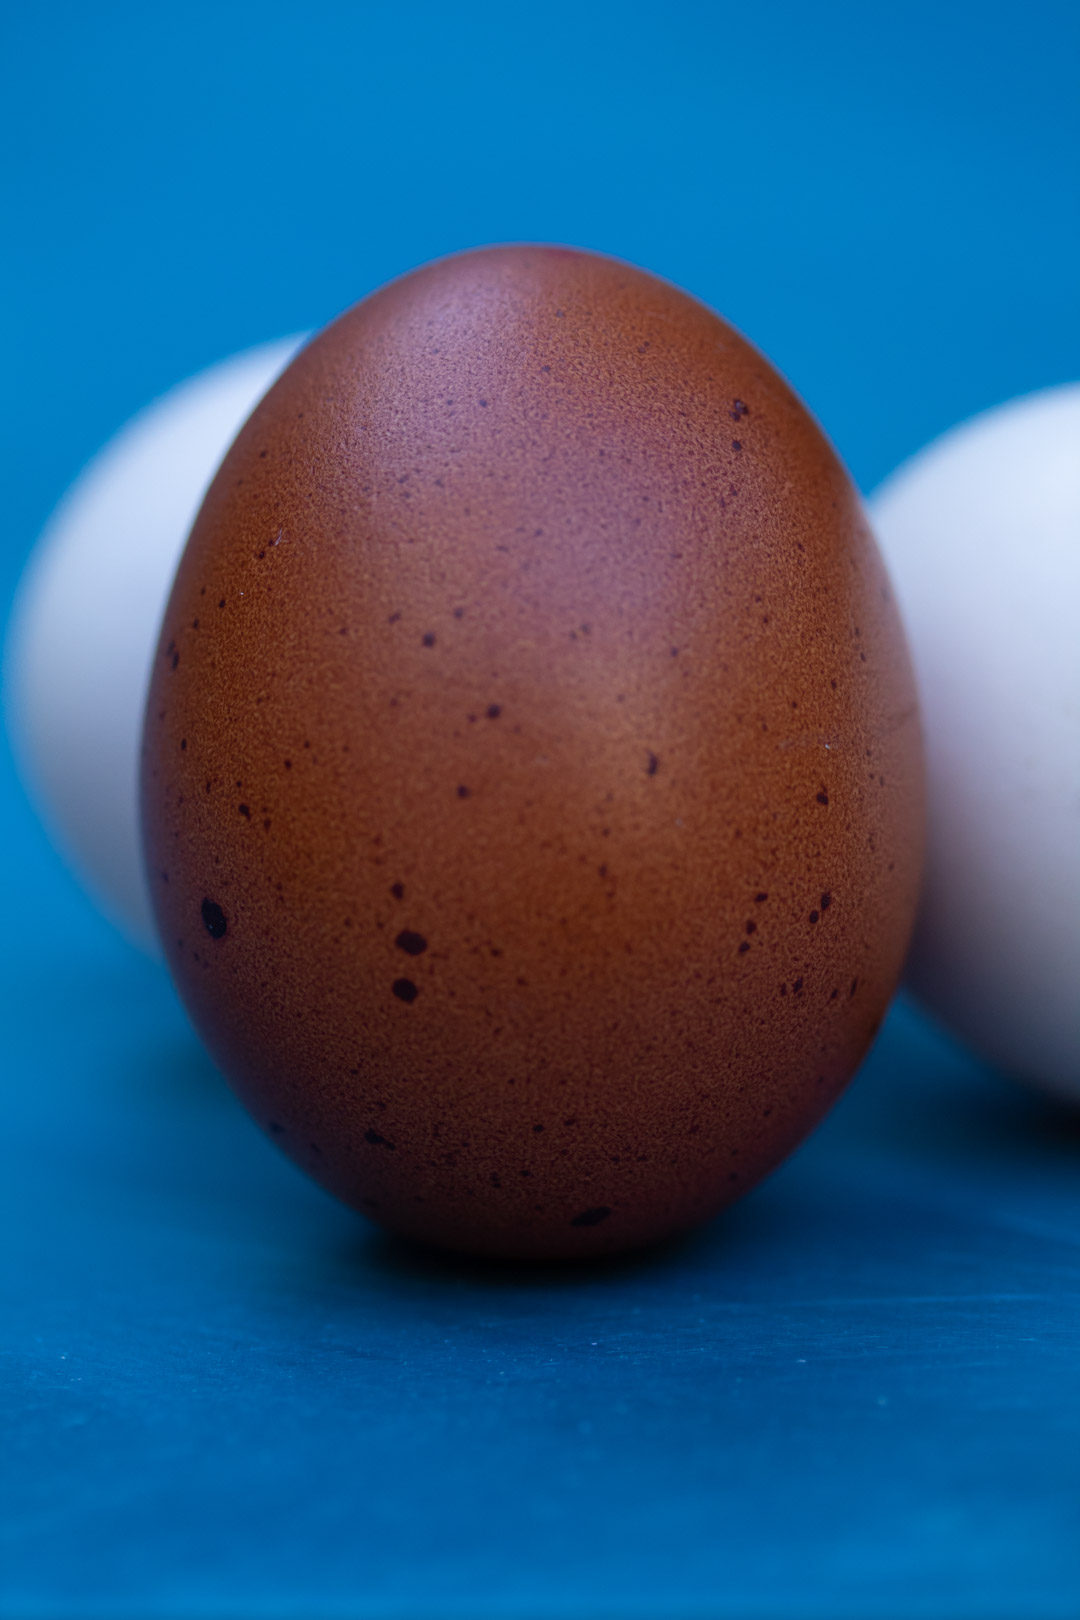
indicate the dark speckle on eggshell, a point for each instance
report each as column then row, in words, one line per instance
column 511, row 478
column 214, row 920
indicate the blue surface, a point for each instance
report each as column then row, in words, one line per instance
column 855, row 1395
column 222, row 1395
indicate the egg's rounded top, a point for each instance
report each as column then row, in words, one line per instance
column 531, row 794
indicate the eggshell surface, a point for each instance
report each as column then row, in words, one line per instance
column 982, row 534
column 87, row 617
column 532, row 782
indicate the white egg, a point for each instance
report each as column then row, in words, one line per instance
column 981, row 532
column 87, row 615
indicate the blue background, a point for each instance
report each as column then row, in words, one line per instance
column 221, row 1394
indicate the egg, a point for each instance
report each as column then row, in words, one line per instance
column 982, row 535
column 87, row 617
column 532, row 776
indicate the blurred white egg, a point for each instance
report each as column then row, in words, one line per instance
column 86, row 621
column 981, row 532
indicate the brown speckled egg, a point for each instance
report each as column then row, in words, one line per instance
column 532, row 784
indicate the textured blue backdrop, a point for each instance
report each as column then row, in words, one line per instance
column 221, row 1395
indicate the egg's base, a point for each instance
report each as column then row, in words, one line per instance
column 577, row 1209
